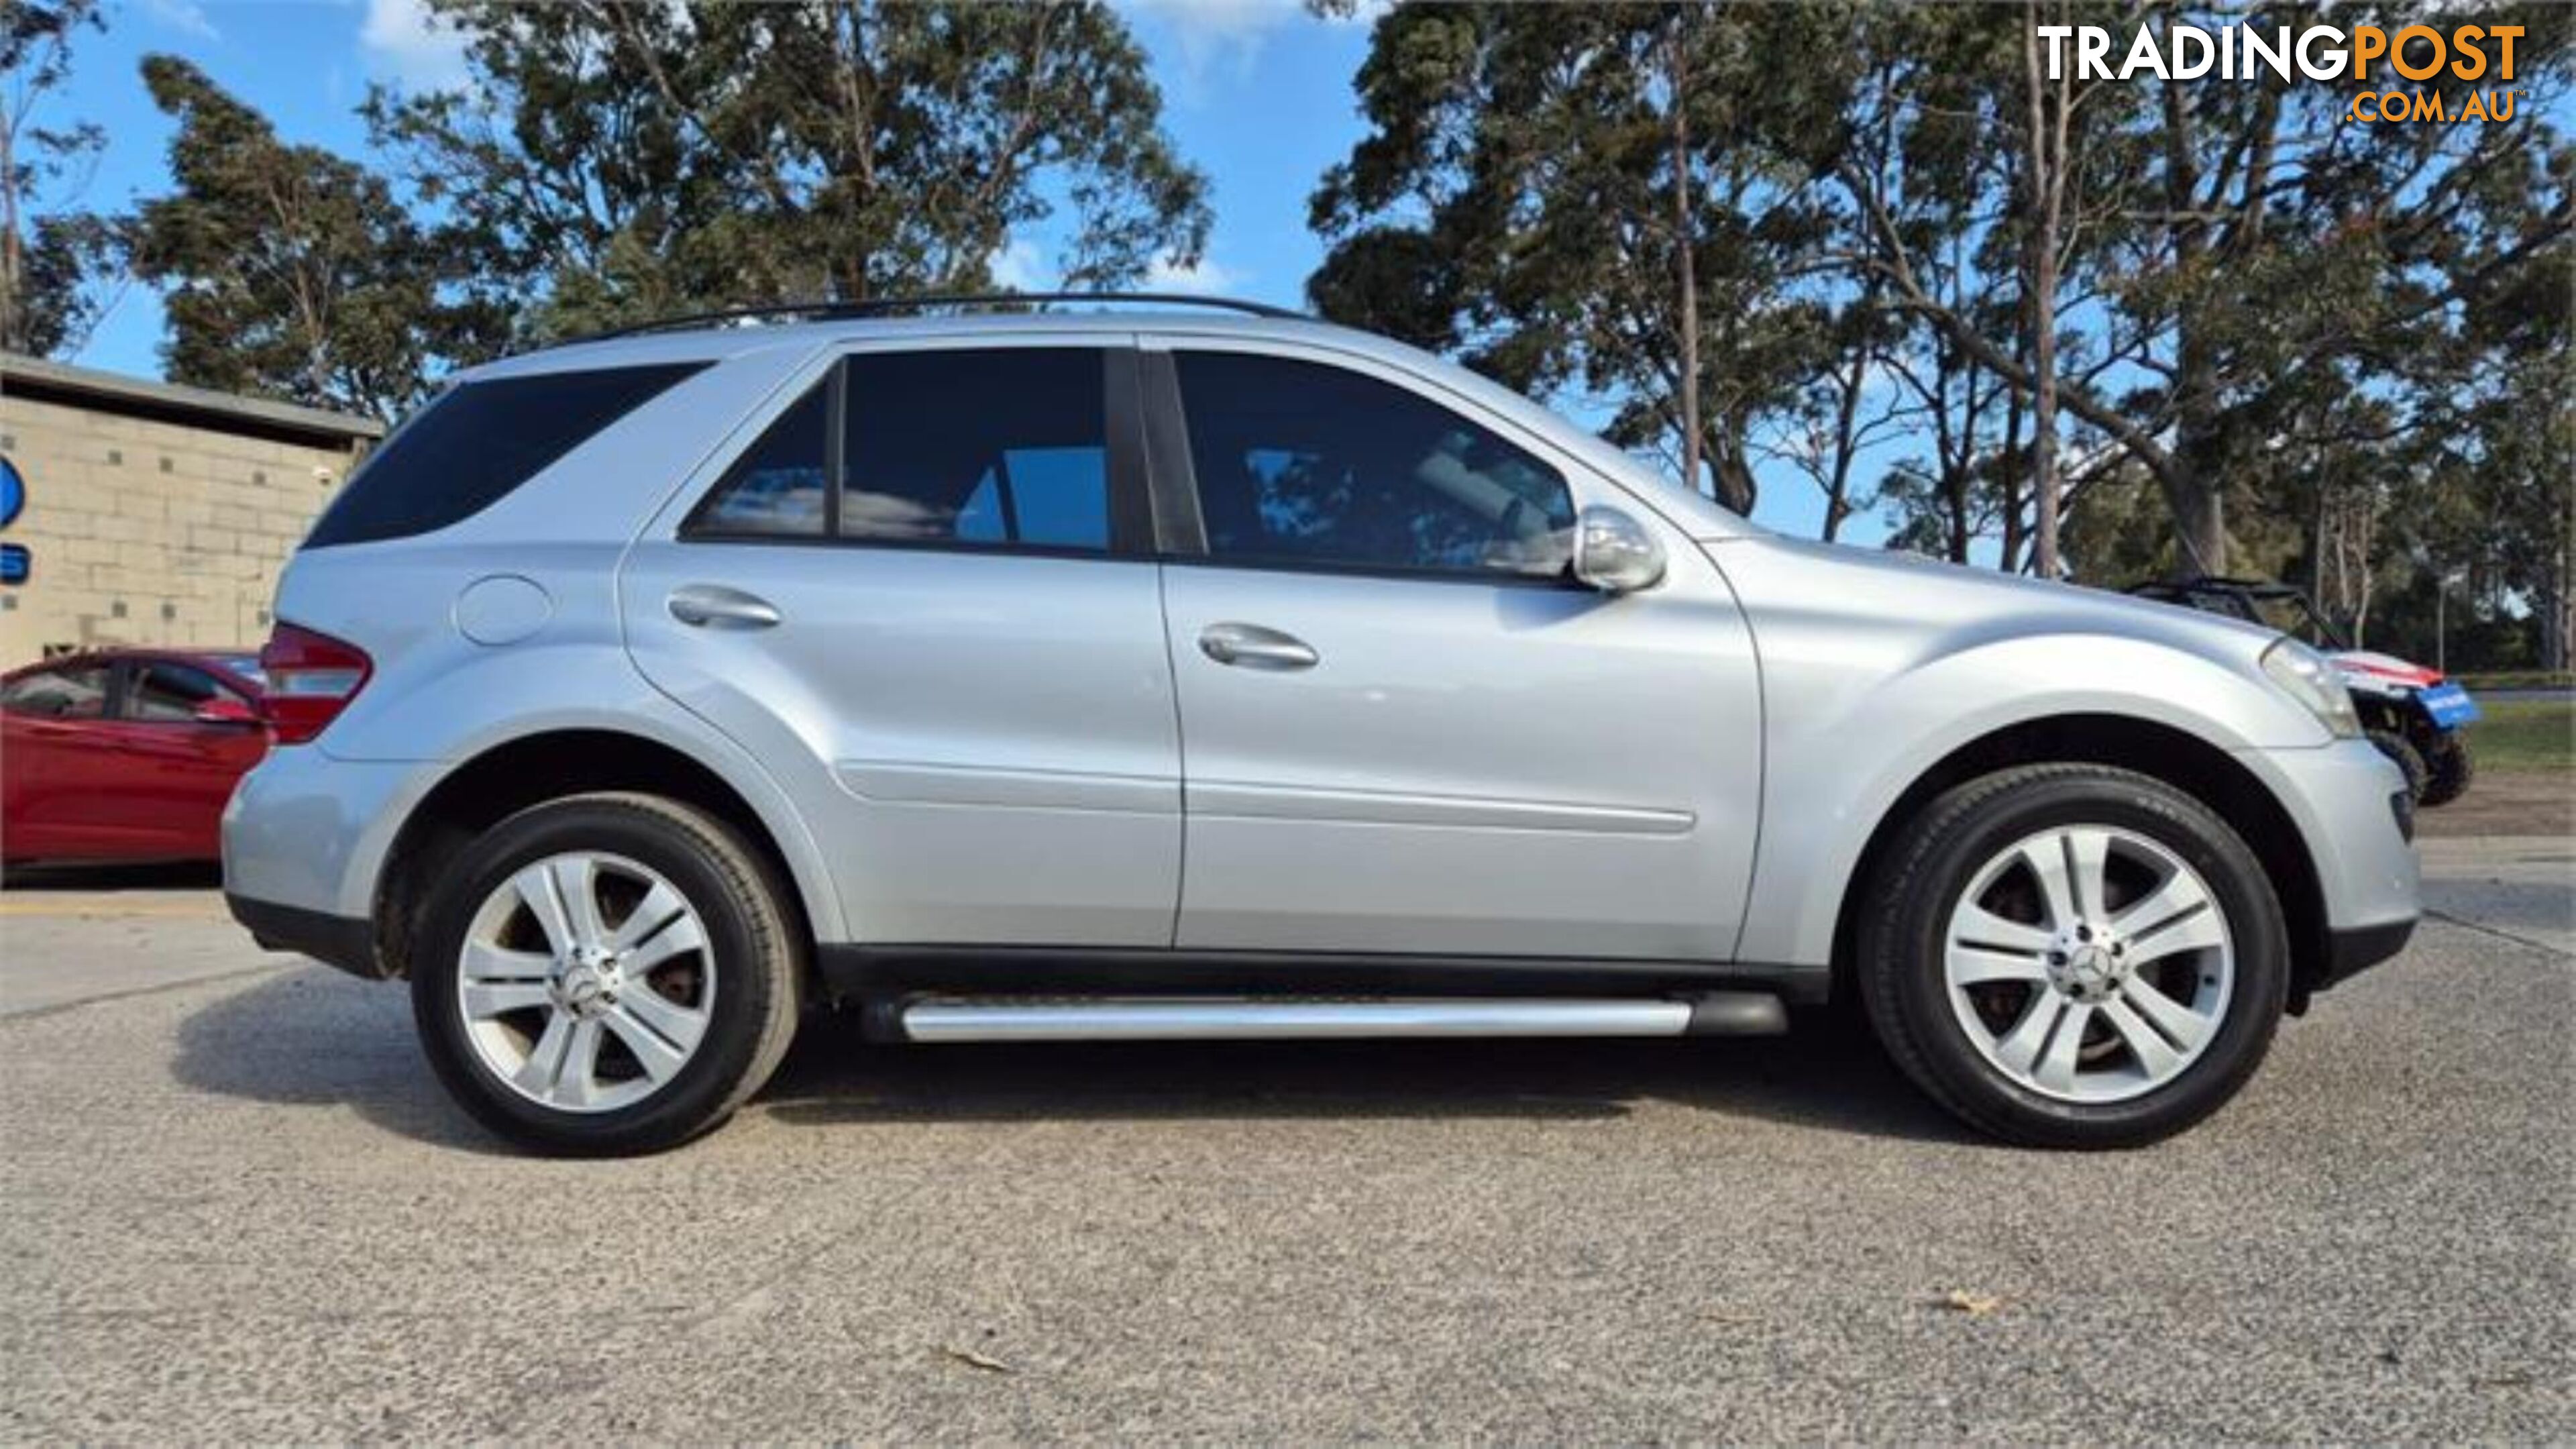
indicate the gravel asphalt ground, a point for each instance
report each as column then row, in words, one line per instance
column 235, row 1207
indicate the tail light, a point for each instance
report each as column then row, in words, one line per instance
column 311, row 678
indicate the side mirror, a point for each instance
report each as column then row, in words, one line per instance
column 1614, row 553
column 222, row 710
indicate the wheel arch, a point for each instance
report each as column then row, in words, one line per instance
column 2163, row 752
column 513, row 774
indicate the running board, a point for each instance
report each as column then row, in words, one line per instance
column 1244, row 1018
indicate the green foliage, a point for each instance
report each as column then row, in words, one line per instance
column 2286, row 341
column 57, row 294
column 610, row 162
column 48, row 247
column 1520, row 200
column 616, row 161
column 290, row 272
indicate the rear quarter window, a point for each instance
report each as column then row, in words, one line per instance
column 468, row 449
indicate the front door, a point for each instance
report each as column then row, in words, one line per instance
column 921, row 600
column 182, row 738
column 1405, row 729
column 56, row 763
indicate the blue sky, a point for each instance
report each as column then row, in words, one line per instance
column 1257, row 94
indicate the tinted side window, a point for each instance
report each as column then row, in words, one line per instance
column 171, row 693
column 477, row 442
column 77, row 692
column 1002, row 446
column 778, row 487
column 1302, row 463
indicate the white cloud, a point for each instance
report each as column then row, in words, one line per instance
column 1020, row 267
column 1203, row 279
column 402, row 39
column 183, row 15
column 1208, row 32
column 1364, row 13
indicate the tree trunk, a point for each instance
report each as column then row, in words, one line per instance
column 2193, row 475
column 1730, row 465
column 2557, row 615
column 1686, row 267
column 2200, row 518
column 2317, row 547
column 2048, row 189
column 10, row 244
column 1846, row 417
column 2007, row 472
column 1955, row 457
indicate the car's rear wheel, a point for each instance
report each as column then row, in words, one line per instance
column 2074, row 956
column 605, row 974
column 2448, row 768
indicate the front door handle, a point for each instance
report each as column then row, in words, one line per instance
column 1254, row 647
column 713, row 606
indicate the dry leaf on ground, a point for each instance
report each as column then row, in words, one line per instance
column 972, row 1359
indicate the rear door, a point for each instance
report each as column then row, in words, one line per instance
column 1405, row 728
column 919, row 592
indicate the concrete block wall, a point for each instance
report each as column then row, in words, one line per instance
column 148, row 532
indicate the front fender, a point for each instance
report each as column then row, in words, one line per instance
column 1844, row 743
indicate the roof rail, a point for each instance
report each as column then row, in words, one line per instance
column 889, row 306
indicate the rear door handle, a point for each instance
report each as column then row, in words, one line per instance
column 713, row 606
column 1253, row 647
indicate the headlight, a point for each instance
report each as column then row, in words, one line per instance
column 2313, row 682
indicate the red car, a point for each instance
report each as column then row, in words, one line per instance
column 125, row 754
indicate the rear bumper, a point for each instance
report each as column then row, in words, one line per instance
column 311, row 831
column 343, row 941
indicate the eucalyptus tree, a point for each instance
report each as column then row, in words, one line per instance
column 1606, row 203
column 2270, row 276
column 48, row 246
column 616, row 160
column 287, row 271
column 2228, row 291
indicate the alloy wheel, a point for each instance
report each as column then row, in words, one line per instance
column 2089, row 964
column 585, row 982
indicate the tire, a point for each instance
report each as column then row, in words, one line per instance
column 2448, row 768
column 639, row 1040
column 2123, row 1089
column 2396, row 747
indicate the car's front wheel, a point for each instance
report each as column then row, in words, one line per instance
column 603, row 974
column 2074, row 956
column 2448, row 768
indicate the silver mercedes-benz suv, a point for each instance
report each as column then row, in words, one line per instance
column 1150, row 673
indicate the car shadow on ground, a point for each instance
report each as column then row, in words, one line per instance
column 317, row 1038
column 1826, row 1073
column 172, row 876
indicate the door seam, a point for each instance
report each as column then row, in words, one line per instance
column 1180, row 751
